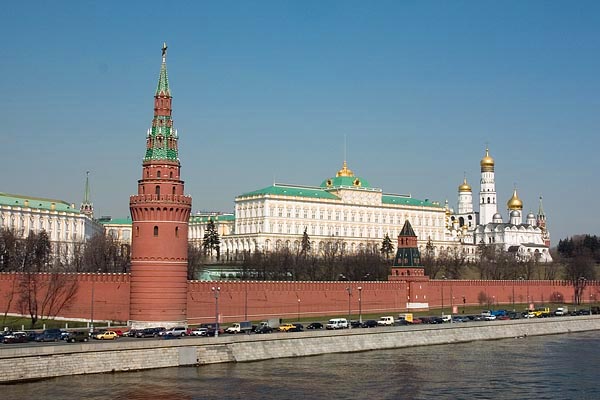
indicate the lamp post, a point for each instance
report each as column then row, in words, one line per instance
column 92, row 305
column 216, row 291
column 298, row 309
column 520, row 281
column 349, row 290
column 580, row 290
column 92, row 308
column 444, row 278
column 359, row 304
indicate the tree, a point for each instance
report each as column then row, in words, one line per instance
column 211, row 241
column 387, row 247
column 579, row 255
column 305, row 245
column 104, row 254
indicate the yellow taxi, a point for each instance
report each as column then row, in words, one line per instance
column 108, row 335
column 286, row 327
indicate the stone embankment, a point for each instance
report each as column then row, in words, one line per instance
column 38, row 362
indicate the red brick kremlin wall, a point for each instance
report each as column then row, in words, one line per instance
column 259, row 300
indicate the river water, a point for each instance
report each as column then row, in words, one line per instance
column 544, row 367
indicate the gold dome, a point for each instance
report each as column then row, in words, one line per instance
column 514, row 203
column 465, row 187
column 345, row 171
column 487, row 162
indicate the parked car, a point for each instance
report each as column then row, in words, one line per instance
column 14, row 337
column 387, row 320
column 211, row 329
column 297, row 328
column 355, row 323
column 130, row 333
column 108, row 335
column 263, row 329
column 149, row 332
column 337, row 323
column 76, row 336
column 315, row 325
column 175, row 331
column 49, row 335
column 370, row 323
column 286, row 327
column 199, row 332
column 401, row 322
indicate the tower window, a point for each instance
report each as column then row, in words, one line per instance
column 171, row 174
column 173, row 190
column 176, row 231
column 137, row 231
column 157, row 191
column 156, row 231
column 488, row 200
column 158, row 174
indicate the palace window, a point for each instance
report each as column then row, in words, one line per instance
column 156, row 231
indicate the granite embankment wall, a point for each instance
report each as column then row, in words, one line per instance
column 25, row 363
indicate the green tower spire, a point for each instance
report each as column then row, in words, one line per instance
column 161, row 142
column 163, row 78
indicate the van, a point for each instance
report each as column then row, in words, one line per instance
column 386, row 321
column 337, row 323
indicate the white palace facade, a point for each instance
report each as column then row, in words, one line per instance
column 344, row 209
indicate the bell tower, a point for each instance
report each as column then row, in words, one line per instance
column 160, row 212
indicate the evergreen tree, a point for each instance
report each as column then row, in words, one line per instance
column 387, row 247
column 211, row 239
column 305, row 243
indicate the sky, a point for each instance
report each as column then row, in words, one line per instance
column 410, row 93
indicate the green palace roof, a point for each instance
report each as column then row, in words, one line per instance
column 115, row 221
column 407, row 201
column 215, row 218
column 293, row 191
column 16, row 200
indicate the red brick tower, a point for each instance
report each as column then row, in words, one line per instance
column 408, row 268
column 160, row 213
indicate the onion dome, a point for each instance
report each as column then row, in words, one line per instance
column 465, row 187
column 514, row 203
column 487, row 162
column 531, row 216
column 345, row 171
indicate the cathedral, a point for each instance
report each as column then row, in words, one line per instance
column 527, row 239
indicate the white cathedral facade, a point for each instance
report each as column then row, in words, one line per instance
column 528, row 239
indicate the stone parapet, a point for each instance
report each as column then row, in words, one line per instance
column 123, row 355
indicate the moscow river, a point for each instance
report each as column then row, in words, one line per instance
column 543, row 367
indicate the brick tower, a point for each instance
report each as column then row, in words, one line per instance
column 160, row 213
column 408, row 268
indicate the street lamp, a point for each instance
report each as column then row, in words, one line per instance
column 581, row 289
column 444, row 278
column 92, row 307
column 216, row 291
column 359, row 304
column 349, row 290
column 298, row 310
column 521, row 280
column 92, row 310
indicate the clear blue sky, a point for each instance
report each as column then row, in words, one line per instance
column 267, row 90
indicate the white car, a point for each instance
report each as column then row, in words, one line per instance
column 199, row 332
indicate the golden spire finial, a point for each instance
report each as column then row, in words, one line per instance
column 345, row 171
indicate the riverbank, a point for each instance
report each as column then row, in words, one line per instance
column 27, row 363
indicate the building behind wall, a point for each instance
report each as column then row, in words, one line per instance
column 66, row 225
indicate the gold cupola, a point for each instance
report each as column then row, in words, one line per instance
column 487, row 162
column 465, row 187
column 515, row 202
column 345, row 171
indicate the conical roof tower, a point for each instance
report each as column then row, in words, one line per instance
column 160, row 212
